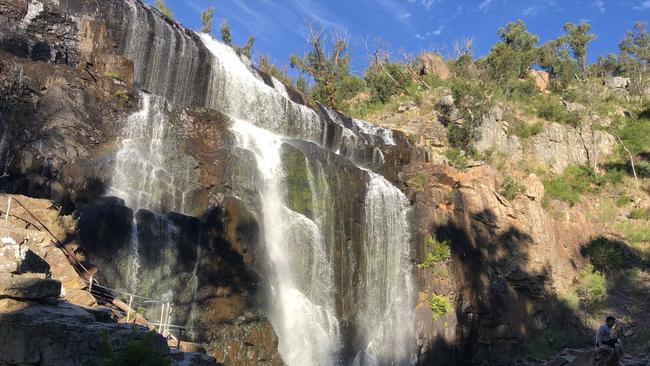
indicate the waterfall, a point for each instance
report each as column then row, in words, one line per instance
column 388, row 287
column 148, row 173
column 341, row 288
column 302, row 288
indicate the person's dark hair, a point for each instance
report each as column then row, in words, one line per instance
column 609, row 319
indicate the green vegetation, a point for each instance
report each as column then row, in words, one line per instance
column 525, row 130
column 471, row 98
column 440, row 253
column 226, row 37
column 439, row 306
column 206, row 20
column 456, row 158
column 122, row 94
column 330, row 68
column 511, row 188
column 111, row 75
column 137, row 352
column 592, row 287
column 386, row 80
column 418, row 182
column 640, row 214
column 549, row 342
column 162, row 7
column 635, row 233
column 606, row 255
column 575, row 181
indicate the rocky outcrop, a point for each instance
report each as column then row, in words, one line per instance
column 556, row 145
column 433, row 64
column 542, row 79
column 510, row 261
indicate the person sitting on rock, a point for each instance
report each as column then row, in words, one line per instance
column 604, row 336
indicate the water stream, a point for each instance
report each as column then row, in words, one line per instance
column 324, row 313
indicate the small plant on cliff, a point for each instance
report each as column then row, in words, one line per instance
column 456, row 158
column 162, row 7
column 440, row 252
column 137, row 352
column 439, row 306
column 510, row 188
column 206, row 20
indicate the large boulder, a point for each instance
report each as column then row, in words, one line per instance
column 28, row 286
column 61, row 334
column 617, row 82
column 433, row 64
column 541, row 78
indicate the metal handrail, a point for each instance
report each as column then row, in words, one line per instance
column 163, row 326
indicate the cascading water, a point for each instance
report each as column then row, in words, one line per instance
column 388, row 286
column 341, row 288
column 150, row 175
column 304, row 313
column 302, row 288
column 146, row 172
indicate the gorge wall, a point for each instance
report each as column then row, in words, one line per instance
column 282, row 231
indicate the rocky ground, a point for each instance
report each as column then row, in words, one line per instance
column 47, row 314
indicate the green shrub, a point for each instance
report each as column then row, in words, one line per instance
column 440, row 252
column 635, row 233
column 418, row 182
column 640, row 214
column 549, row 342
column 575, row 181
column 439, row 306
column 510, row 188
column 525, row 130
column 456, row 158
column 551, row 109
column 592, row 287
column 137, row 352
column 385, row 81
column 606, row 255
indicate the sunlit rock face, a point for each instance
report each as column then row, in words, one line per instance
column 225, row 192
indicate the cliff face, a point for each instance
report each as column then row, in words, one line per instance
column 74, row 72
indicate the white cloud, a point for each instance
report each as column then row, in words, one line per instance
column 643, row 5
column 600, row 5
column 438, row 31
column 484, row 6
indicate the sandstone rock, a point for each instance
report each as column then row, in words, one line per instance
column 534, row 188
column 28, row 286
column 433, row 64
column 617, row 82
column 541, row 78
column 497, row 113
column 62, row 334
column 574, row 107
column 446, row 101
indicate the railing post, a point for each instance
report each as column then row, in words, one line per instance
column 90, row 286
column 128, row 311
column 169, row 317
column 8, row 208
column 162, row 316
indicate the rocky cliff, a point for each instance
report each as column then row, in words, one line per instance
column 81, row 80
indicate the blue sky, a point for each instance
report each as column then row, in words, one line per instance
column 414, row 25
